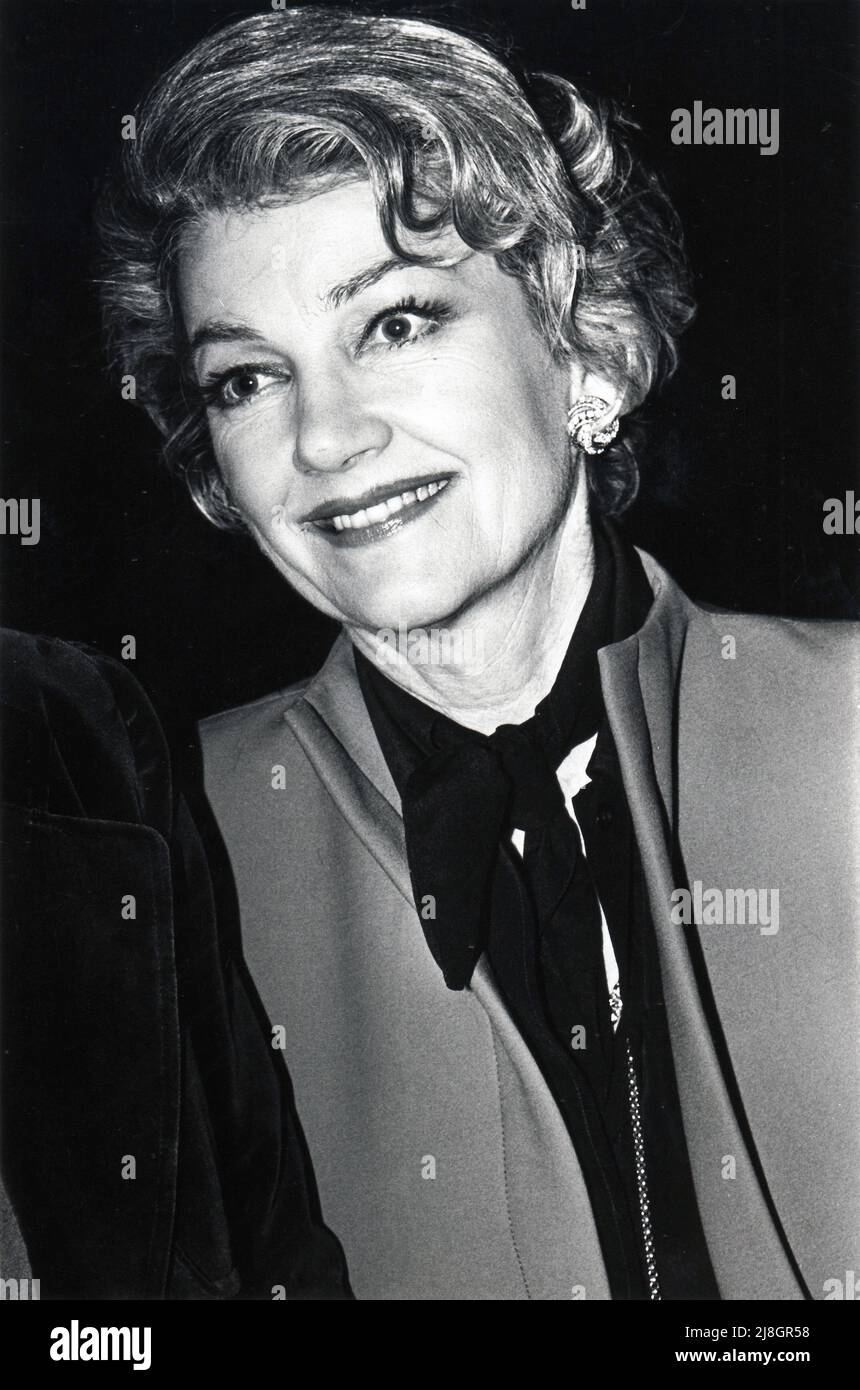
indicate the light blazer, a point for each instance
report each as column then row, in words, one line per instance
column 442, row 1160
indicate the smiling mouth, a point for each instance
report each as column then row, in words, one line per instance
column 383, row 511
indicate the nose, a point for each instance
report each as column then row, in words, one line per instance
column 336, row 423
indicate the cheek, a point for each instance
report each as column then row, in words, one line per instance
column 501, row 387
column 250, row 449
column 499, row 428
column 518, row 423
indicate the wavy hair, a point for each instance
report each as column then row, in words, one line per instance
column 524, row 168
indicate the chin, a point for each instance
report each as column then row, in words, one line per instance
column 401, row 605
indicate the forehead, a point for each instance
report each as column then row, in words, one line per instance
column 305, row 248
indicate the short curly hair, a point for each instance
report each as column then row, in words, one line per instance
column 522, row 166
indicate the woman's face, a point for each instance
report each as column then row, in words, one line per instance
column 394, row 435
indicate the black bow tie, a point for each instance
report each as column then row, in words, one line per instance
column 460, row 805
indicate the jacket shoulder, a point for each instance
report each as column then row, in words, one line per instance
column 233, row 735
column 255, row 711
column 784, row 651
column 80, row 733
column 774, row 695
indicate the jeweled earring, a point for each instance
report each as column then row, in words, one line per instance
column 583, row 419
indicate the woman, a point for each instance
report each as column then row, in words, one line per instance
column 391, row 306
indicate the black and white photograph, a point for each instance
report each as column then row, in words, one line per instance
column 430, row 665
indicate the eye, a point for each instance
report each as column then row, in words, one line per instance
column 400, row 326
column 224, row 390
column 405, row 322
column 241, row 386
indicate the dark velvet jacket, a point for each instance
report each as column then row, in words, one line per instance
column 151, row 1147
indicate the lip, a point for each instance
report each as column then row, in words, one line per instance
column 348, row 506
column 381, row 530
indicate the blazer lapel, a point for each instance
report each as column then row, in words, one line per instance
column 332, row 725
column 639, row 678
column 548, row 1200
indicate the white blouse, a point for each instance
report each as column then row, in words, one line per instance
column 572, row 777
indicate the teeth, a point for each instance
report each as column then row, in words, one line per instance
column 371, row 516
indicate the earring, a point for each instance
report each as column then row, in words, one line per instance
column 582, row 421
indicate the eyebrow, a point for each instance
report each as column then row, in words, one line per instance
column 341, row 294
column 222, row 331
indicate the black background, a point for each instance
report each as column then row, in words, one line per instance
column 732, row 494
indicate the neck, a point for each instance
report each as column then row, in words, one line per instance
column 497, row 659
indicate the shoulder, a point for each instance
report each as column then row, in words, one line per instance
column 754, row 651
column 251, row 735
column 788, row 664
column 239, row 719
column 227, row 738
column 37, row 670
column 767, row 708
column 73, row 717
column 269, row 721
column 753, row 698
